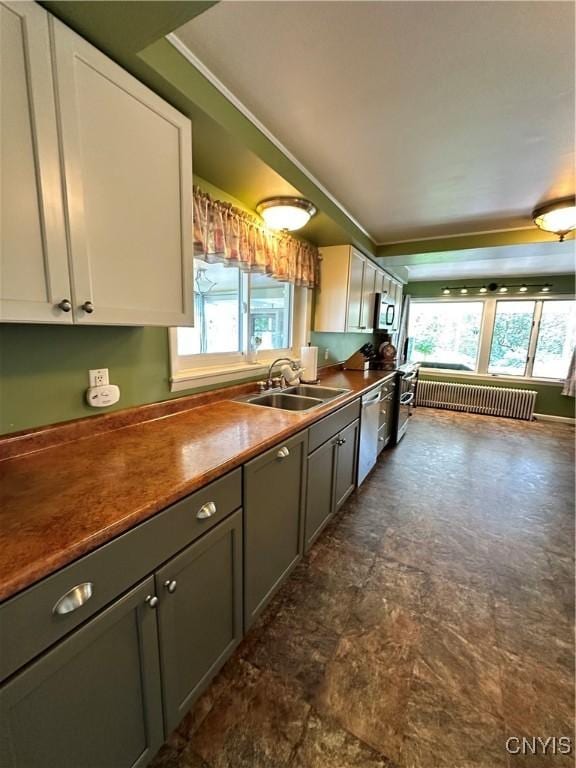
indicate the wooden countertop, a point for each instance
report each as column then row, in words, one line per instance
column 62, row 502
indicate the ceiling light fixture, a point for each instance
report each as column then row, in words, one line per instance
column 287, row 213
column 558, row 217
column 498, row 288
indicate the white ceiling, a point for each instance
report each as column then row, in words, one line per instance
column 503, row 261
column 422, row 118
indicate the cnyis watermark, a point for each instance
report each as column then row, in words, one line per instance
column 539, row 745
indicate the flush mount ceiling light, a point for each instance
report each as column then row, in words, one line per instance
column 286, row 213
column 558, row 217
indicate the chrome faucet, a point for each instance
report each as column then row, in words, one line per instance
column 293, row 365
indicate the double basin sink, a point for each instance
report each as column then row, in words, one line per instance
column 301, row 397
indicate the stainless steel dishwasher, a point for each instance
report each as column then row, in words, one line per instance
column 369, row 432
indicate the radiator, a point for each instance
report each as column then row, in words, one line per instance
column 475, row 398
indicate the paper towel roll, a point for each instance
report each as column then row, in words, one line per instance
column 309, row 363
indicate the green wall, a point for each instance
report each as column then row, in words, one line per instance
column 44, row 368
column 339, row 345
column 550, row 399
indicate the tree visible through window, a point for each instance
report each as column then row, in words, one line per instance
column 445, row 335
column 511, row 337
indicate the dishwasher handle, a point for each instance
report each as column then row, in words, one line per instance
column 372, row 401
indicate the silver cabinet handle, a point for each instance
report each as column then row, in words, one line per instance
column 283, row 453
column 170, row 585
column 341, row 441
column 73, row 599
column 152, row 601
column 64, row 305
column 206, row 510
column 88, row 307
column 380, row 439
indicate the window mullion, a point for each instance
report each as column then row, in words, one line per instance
column 244, row 300
column 536, row 317
column 486, row 331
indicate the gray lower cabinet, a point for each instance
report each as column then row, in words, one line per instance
column 346, row 463
column 200, row 614
column 320, row 488
column 94, row 701
column 332, row 470
column 273, row 521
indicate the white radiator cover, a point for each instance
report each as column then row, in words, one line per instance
column 477, row 398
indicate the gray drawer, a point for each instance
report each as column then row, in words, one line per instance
column 331, row 425
column 28, row 622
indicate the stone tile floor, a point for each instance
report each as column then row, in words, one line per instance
column 432, row 620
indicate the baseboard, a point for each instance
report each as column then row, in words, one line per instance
column 547, row 417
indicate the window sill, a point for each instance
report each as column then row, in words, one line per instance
column 490, row 376
column 196, row 378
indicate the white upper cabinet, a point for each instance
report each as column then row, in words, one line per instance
column 126, row 189
column 355, row 274
column 34, row 277
column 368, row 296
column 346, row 298
column 128, row 177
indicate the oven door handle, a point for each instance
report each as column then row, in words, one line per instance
column 407, row 398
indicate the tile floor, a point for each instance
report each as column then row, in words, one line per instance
column 432, row 620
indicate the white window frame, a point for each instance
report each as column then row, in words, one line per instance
column 189, row 372
column 487, row 331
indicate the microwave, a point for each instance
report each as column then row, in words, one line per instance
column 384, row 313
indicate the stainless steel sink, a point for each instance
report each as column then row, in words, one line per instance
column 298, row 398
column 286, row 402
column 313, row 390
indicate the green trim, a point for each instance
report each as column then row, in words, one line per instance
column 466, row 242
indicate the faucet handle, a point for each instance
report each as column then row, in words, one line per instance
column 276, row 382
column 262, row 386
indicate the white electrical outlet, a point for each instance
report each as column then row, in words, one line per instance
column 326, row 353
column 98, row 377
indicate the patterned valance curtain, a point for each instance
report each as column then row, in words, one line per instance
column 223, row 233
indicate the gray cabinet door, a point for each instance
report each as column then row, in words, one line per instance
column 320, row 489
column 94, row 701
column 346, row 464
column 273, row 525
column 200, row 614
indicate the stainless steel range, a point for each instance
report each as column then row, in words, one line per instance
column 405, row 397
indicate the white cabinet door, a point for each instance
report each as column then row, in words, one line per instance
column 34, row 276
column 368, row 290
column 127, row 158
column 355, row 278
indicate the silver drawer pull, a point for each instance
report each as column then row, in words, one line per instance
column 206, row 510
column 74, row 598
column 282, row 453
column 170, row 585
column 151, row 601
